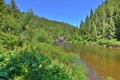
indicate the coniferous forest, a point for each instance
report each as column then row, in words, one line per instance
column 27, row 51
column 102, row 26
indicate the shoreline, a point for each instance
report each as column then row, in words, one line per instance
column 96, row 44
column 89, row 44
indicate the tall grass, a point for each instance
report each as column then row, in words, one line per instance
column 39, row 61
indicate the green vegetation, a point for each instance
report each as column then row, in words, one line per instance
column 42, row 63
column 26, row 50
column 103, row 25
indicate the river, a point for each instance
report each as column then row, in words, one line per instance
column 102, row 62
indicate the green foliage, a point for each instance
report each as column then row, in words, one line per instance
column 40, row 35
column 107, row 43
column 80, row 70
column 54, row 52
column 10, row 41
column 103, row 23
column 30, row 66
column 1, row 5
column 13, row 5
column 116, row 17
column 26, row 52
column 27, row 25
column 37, row 61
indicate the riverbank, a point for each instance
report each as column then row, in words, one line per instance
column 100, row 43
column 93, row 57
column 108, row 58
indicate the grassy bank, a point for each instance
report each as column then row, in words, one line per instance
column 112, row 43
column 40, row 62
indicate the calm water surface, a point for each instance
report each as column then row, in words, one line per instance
column 105, row 62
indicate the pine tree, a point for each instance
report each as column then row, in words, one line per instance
column 14, row 8
column 100, row 24
column 91, row 13
column 1, row 10
column 94, row 31
column 1, row 5
column 13, row 5
column 81, row 24
column 117, row 24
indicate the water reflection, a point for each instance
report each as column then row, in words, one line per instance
column 106, row 62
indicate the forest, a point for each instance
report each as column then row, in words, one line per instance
column 103, row 25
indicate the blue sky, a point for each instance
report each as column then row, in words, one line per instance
column 69, row 11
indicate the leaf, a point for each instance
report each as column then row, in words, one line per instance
column 5, row 74
column 34, row 65
column 1, row 56
column 7, row 59
column 11, row 68
column 49, row 67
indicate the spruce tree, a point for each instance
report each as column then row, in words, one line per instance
column 91, row 13
column 13, row 5
column 1, row 4
column 14, row 8
column 1, row 10
column 104, row 22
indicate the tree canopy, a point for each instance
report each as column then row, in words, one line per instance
column 103, row 23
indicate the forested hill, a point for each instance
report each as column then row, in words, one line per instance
column 27, row 26
column 103, row 23
column 26, row 50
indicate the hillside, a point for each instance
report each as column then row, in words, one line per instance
column 102, row 24
column 27, row 51
column 25, row 25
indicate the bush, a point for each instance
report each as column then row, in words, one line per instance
column 108, row 43
column 30, row 66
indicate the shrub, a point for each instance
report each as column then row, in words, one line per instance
column 30, row 66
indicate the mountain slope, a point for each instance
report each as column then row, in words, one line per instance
column 26, row 26
column 26, row 50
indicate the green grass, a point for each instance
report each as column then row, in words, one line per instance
column 108, row 43
column 39, row 62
